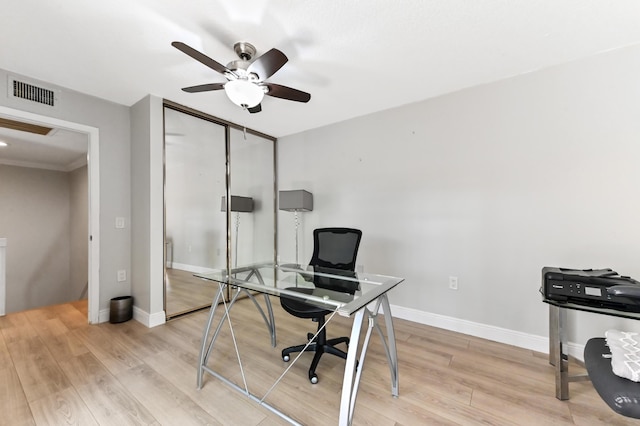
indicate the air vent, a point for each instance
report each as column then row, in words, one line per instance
column 22, row 90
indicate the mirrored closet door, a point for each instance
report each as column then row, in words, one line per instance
column 252, row 178
column 207, row 159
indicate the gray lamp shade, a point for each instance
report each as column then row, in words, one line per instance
column 297, row 200
column 238, row 204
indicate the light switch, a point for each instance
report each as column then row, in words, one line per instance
column 119, row 222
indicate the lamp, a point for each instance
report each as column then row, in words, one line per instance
column 296, row 201
column 238, row 205
column 244, row 93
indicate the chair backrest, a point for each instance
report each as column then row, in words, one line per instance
column 335, row 248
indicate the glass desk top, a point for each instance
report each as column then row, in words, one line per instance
column 331, row 289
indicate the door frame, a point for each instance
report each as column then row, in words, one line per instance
column 93, row 170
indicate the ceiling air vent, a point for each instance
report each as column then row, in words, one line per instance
column 22, row 90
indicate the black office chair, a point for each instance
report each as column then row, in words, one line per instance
column 622, row 395
column 333, row 249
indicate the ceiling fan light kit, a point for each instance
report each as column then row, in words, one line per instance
column 244, row 93
column 246, row 84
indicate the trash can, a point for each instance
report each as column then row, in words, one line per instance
column 121, row 309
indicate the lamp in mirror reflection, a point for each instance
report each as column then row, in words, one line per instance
column 295, row 201
column 238, row 205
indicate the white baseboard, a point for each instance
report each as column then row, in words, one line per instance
column 139, row 315
column 150, row 320
column 103, row 315
column 484, row 331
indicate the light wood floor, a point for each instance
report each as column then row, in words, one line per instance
column 57, row 370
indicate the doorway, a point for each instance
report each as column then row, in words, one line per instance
column 93, row 185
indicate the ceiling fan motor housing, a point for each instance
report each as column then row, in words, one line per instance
column 244, row 50
column 239, row 68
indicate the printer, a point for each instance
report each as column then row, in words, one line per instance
column 600, row 288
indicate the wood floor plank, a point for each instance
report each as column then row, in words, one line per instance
column 5, row 357
column 16, row 327
column 39, row 373
column 167, row 403
column 112, row 404
column 219, row 402
column 64, row 346
column 84, row 369
column 112, row 353
column 62, row 408
column 73, row 315
column 14, row 407
column 135, row 338
column 51, row 327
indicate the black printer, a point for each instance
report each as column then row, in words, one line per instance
column 601, row 288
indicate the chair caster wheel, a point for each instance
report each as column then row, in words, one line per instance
column 285, row 358
column 313, row 379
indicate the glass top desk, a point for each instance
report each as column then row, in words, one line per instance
column 278, row 280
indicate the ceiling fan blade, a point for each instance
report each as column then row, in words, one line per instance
column 266, row 65
column 288, row 93
column 255, row 109
column 204, row 87
column 201, row 57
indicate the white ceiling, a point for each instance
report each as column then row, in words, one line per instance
column 60, row 150
column 354, row 57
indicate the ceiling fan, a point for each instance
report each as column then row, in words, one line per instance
column 246, row 84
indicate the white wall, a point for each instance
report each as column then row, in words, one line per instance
column 3, row 254
column 489, row 184
column 112, row 120
column 38, row 213
column 79, row 226
column 147, row 211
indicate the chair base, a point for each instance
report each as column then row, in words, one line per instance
column 319, row 348
column 622, row 395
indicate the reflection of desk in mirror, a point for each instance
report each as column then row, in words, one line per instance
column 277, row 280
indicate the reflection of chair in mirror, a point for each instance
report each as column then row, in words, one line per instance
column 334, row 249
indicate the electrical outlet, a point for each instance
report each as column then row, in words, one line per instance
column 119, row 222
column 453, row 283
column 122, row 275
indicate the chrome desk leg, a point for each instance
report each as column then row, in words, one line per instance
column 560, row 351
column 351, row 379
column 553, row 333
column 389, row 344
